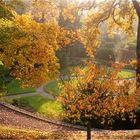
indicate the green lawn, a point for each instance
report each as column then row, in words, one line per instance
column 66, row 70
column 14, row 88
column 50, row 108
column 126, row 74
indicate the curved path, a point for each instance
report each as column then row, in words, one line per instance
column 39, row 91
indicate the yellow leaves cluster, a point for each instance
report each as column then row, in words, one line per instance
column 45, row 10
column 134, row 63
column 66, row 37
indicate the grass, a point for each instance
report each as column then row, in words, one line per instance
column 50, row 108
column 66, row 70
column 52, row 88
column 14, row 88
column 126, row 74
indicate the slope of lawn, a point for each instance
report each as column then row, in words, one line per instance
column 14, row 88
column 50, row 108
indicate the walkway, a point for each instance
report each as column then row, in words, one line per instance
column 39, row 91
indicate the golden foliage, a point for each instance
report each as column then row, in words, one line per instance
column 28, row 48
column 119, row 16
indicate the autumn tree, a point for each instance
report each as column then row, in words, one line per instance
column 28, row 48
column 95, row 93
column 44, row 10
column 5, row 77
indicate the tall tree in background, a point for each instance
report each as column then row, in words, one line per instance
column 137, row 8
column 44, row 10
column 73, row 53
column 20, row 6
column 119, row 15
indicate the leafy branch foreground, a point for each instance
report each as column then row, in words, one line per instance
column 12, row 133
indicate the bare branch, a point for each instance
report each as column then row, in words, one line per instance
column 112, row 8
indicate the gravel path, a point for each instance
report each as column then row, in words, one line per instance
column 39, row 91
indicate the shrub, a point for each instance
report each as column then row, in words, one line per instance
column 105, row 55
column 98, row 98
column 20, row 102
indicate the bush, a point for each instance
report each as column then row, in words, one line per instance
column 20, row 102
column 126, row 54
column 105, row 54
column 129, row 67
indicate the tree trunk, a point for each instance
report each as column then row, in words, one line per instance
column 138, row 55
column 137, row 8
column 89, row 130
